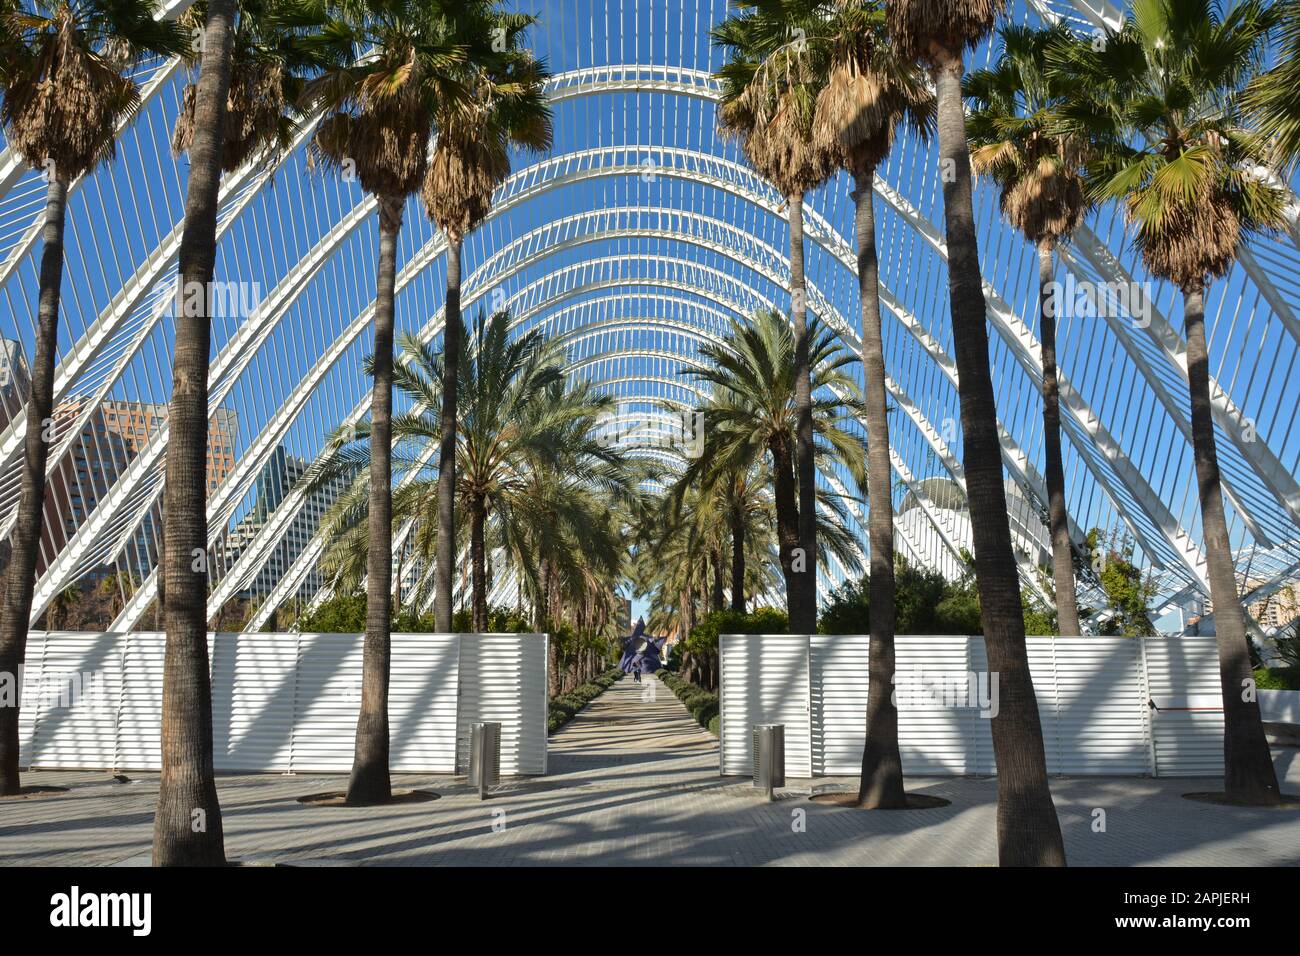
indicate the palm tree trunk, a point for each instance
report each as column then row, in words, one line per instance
column 1029, row 833
column 370, row 782
column 477, row 518
column 719, row 593
column 787, row 526
column 20, row 572
column 1067, row 607
column 187, row 825
column 446, row 544
column 737, row 561
column 882, row 766
column 1248, row 774
column 805, row 472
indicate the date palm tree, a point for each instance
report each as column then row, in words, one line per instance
column 391, row 67
column 752, row 413
column 937, row 32
column 520, row 422
column 1042, row 195
column 768, row 99
column 65, row 78
column 507, row 107
column 1161, row 102
column 870, row 92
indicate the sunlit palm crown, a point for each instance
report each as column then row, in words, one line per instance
column 1164, row 99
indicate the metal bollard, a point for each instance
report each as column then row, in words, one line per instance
column 484, row 756
column 769, row 758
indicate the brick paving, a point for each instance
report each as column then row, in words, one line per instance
column 634, row 781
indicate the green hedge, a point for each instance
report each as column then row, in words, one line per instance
column 563, row 708
column 1277, row 678
column 701, row 704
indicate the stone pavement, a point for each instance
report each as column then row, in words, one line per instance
column 635, row 781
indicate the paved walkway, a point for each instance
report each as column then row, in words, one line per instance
column 635, row 781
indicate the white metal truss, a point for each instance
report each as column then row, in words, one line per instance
column 702, row 229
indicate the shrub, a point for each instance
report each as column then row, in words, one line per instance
column 1277, row 678
column 563, row 707
column 699, row 703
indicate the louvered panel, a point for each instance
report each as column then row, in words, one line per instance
column 422, row 702
column 765, row 680
column 935, row 727
column 1100, row 719
column 139, row 723
column 1183, row 672
column 1041, row 652
column 28, row 702
column 838, row 673
column 254, row 679
column 503, row 678
column 326, row 701
column 75, row 696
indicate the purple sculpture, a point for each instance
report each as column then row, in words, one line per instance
column 641, row 654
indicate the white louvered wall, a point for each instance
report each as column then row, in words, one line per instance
column 1092, row 692
column 764, row 679
column 283, row 702
column 503, row 678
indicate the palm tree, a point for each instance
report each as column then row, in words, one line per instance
column 753, row 412
column 268, row 60
column 871, row 90
column 527, row 456
column 1162, row 104
column 1275, row 95
column 1042, row 195
column 391, row 66
column 187, row 824
column 768, row 98
column 936, row 32
column 65, row 76
column 507, row 107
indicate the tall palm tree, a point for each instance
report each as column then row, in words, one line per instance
column 768, row 99
column 270, row 56
column 507, row 107
column 1161, row 102
column 1275, row 95
column 392, row 65
column 65, row 77
column 870, row 92
column 753, row 412
column 526, row 443
column 1042, row 195
column 936, row 32
column 187, row 825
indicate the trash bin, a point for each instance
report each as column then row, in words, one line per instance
column 484, row 756
column 769, row 757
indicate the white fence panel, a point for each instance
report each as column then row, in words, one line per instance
column 1092, row 696
column 422, row 702
column 73, row 700
column 139, row 721
column 281, row 702
column 327, row 701
column 254, row 678
column 503, row 678
column 838, row 674
column 764, row 680
column 941, row 734
column 1187, row 727
column 29, row 681
column 1100, row 721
